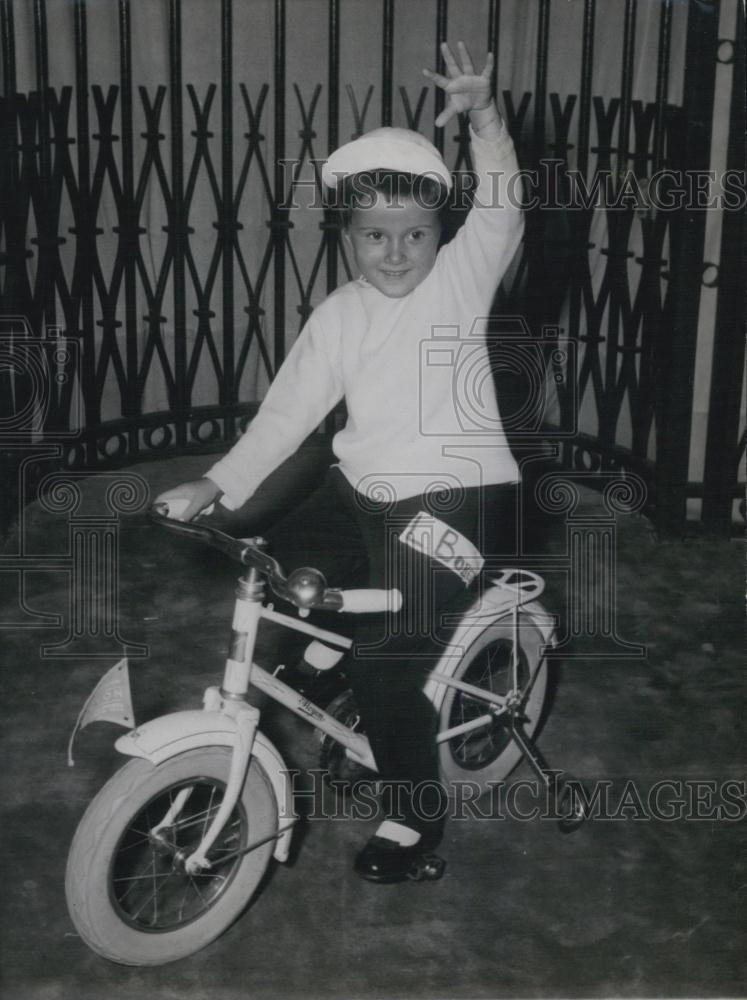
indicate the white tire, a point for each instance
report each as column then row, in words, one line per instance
column 130, row 901
column 488, row 755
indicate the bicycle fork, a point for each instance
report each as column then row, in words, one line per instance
column 229, row 699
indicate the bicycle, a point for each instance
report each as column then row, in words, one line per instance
column 175, row 844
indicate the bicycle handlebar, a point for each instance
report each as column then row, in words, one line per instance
column 305, row 587
column 242, row 550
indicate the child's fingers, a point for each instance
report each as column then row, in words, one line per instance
column 452, row 66
column 465, row 85
column 172, row 494
column 467, row 67
column 179, row 506
column 446, row 115
column 441, row 81
column 194, row 508
column 489, row 66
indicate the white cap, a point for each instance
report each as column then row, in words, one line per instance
column 398, row 149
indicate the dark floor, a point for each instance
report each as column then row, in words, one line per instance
column 627, row 906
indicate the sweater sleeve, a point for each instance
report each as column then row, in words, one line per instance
column 482, row 249
column 307, row 386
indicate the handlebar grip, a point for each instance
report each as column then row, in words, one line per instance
column 363, row 602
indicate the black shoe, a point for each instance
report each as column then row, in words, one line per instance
column 385, row 861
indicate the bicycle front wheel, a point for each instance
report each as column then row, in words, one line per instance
column 128, row 891
column 487, row 754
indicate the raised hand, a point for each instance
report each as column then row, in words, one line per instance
column 466, row 90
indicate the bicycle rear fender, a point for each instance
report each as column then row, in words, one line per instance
column 472, row 624
column 169, row 735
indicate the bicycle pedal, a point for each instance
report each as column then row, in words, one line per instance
column 427, row 868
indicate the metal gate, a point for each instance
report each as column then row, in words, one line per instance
column 76, row 324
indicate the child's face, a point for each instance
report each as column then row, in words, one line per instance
column 394, row 243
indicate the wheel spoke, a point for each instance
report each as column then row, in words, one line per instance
column 199, row 819
column 143, row 875
column 141, row 878
column 148, row 899
column 488, row 671
column 207, row 812
column 144, row 839
column 196, row 888
column 183, row 902
column 154, row 921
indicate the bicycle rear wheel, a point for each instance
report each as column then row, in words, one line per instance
column 487, row 754
column 128, row 892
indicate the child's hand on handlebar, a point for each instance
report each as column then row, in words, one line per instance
column 198, row 494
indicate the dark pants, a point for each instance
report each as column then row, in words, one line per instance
column 355, row 542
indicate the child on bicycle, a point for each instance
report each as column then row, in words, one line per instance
column 405, row 506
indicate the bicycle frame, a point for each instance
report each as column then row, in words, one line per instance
column 227, row 714
column 147, row 879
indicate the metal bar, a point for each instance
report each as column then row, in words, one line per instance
column 531, row 754
column 16, row 292
column 279, row 218
column 617, row 251
column 333, row 123
column 387, row 62
column 177, row 220
column 580, row 221
column 654, row 231
column 132, row 404
column 300, row 626
column 535, row 243
column 540, row 79
column 687, row 234
column 626, row 85
column 217, row 862
column 475, row 692
column 722, row 442
column 9, row 169
column 41, row 45
column 45, row 300
column 8, row 35
column 466, row 727
column 297, row 703
column 85, row 232
column 442, row 14
column 227, row 231
column 494, row 37
column 662, row 83
column 587, row 71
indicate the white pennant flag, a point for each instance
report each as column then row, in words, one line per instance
column 110, row 701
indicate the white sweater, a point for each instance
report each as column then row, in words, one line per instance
column 422, row 412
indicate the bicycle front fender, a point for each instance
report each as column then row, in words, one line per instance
column 169, row 735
